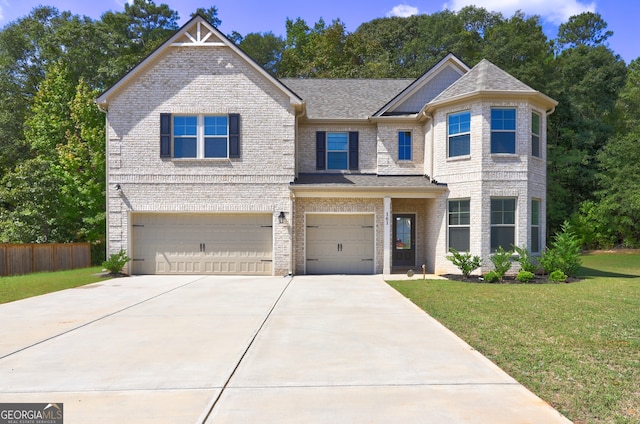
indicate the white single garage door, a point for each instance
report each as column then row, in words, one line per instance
column 202, row 244
column 339, row 244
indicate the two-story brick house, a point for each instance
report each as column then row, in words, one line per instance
column 215, row 166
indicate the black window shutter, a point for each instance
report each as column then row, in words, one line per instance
column 234, row 135
column 353, row 150
column 321, row 148
column 165, row 135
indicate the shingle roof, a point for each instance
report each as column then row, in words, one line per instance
column 362, row 181
column 485, row 76
column 345, row 98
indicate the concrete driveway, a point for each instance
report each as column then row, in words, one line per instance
column 212, row 349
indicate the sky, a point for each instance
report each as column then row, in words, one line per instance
column 245, row 16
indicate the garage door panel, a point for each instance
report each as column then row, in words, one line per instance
column 224, row 244
column 339, row 244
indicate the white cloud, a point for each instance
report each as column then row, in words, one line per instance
column 553, row 11
column 402, row 11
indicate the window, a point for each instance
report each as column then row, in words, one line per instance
column 459, row 130
column 535, row 134
column 535, row 226
column 199, row 136
column 503, row 130
column 503, row 223
column 404, row 145
column 337, row 150
column 215, row 136
column 459, row 224
column 185, row 136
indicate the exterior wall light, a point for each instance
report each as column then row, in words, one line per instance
column 281, row 217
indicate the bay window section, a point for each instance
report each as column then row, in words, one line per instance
column 503, row 130
column 459, row 134
column 503, row 223
column 535, row 134
column 535, row 226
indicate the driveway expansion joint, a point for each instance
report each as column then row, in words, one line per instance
column 86, row 324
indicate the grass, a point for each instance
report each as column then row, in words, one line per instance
column 22, row 286
column 575, row 345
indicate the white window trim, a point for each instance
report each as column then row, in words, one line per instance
column 410, row 150
column 199, row 137
column 449, row 225
column 459, row 157
column 514, row 225
column 327, row 151
column 514, row 131
column 539, row 135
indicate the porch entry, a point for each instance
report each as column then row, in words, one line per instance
column 404, row 236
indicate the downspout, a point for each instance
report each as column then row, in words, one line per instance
column 106, row 173
column 428, row 148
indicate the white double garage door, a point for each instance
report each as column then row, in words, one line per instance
column 243, row 244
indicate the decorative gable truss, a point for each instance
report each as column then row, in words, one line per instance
column 199, row 34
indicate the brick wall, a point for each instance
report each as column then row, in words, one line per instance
column 211, row 80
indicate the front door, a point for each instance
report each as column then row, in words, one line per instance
column 404, row 236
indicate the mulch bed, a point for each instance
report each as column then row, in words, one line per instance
column 539, row 279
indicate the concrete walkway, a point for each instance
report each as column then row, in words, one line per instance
column 321, row 349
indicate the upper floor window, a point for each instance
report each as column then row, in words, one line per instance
column 337, row 150
column 503, row 130
column 404, row 145
column 459, row 134
column 535, row 134
column 199, row 136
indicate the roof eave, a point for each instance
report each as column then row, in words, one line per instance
column 545, row 101
column 324, row 191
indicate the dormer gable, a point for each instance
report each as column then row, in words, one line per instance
column 427, row 87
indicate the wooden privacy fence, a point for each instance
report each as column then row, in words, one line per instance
column 16, row 259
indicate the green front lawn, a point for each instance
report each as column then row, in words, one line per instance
column 575, row 345
column 23, row 286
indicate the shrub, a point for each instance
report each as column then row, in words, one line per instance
column 557, row 276
column 116, row 262
column 525, row 276
column 564, row 254
column 568, row 249
column 491, row 277
column 501, row 261
column 465, row 263
column 524, row 259
column 549, row 261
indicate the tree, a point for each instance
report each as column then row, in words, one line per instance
column 587, row 81
column 519, row 46
column 210, row 14
column 586, row 29
column 58, row 195
column 265, row 48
